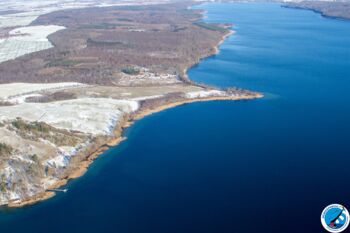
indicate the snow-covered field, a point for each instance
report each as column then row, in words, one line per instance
column 18, row 19
column 32, row 9
column 35, row 38
column 15, row 90
column 96, row 116
column 147, row 97
column 34, row 33
column 26, row 40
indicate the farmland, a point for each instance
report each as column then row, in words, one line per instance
column 26, row 40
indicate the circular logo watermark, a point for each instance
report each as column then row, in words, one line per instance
column 335, row 218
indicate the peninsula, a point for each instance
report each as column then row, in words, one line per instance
column 71, row 80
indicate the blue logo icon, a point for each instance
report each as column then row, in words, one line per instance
column 335, row 218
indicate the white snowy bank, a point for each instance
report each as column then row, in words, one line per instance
column 204, row 94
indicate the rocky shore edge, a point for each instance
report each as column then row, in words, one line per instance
column 84, row 165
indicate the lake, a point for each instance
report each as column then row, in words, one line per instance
column 263, row 166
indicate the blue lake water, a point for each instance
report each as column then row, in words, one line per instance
column 263, row 166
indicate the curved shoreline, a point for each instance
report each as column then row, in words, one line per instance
column 216, row 49
column 84, row 165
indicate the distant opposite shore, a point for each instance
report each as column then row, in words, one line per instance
column 336, row 10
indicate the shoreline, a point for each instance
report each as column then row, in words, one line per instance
column 224, row 37
column 216, row 49
column 84, row 165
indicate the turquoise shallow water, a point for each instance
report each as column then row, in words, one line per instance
column 269, row 165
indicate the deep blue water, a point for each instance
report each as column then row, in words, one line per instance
column 263, row 166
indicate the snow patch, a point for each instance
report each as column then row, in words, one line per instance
column 147, row 97
column 96, row 116
column 21, row 99
column 204, row 94
column 26, row 40
column 16, row 90
column 34, row 33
